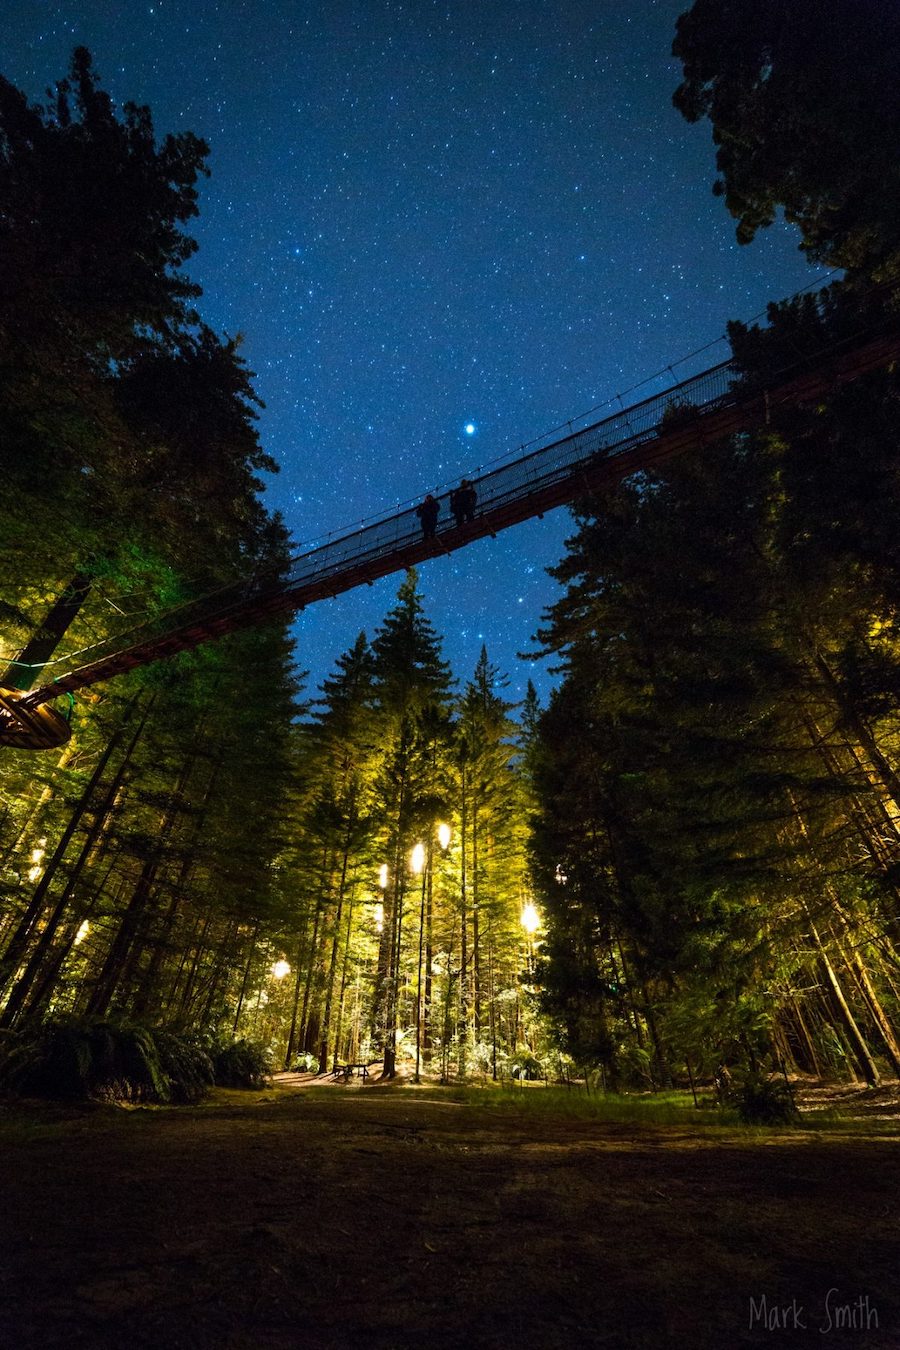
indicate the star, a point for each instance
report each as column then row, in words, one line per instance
column 469, row 428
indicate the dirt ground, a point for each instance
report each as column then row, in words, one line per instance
column 406, row 1217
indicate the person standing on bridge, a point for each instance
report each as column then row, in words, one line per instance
column 462, row 502
column 467, row 498
column 428, row 515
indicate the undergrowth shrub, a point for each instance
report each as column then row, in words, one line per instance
column 189, row 1067
column 526, row 1066
column 765, row 1101
column 78, row 1059
column 240, row 1064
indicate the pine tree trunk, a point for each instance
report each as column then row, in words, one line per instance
column 345, row 965
column 311, row 971
column 335, row 942
column 858, row 1045
column 463, row 1021
column 476, row 921
column 882, row 1021
column 113, row 968
column 199, row 952
column 29, row 826
column 18, row 943
column 25, row 670
column 22, row 987
column 429, row 962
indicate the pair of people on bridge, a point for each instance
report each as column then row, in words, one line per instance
column 462, row 507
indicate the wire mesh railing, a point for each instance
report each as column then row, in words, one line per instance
column 533, row 473
column 716, row 401
column 392, row 535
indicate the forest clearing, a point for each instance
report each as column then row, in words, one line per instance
column 392, row 1216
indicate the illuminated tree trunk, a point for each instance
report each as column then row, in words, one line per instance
column 877, row 1009
column 53, row 966
column 429, row 962
column 305, row 1019
column 476, row 925
column 242, row 992
column 335, row 941
column 198, row 953
column 114, row 967
column 858, row 1045
column 463, row 1021
column 30, row 826
column 345, row 965
column 18, row 943
column 22, row 987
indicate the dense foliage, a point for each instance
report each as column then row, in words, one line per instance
column 804, row 100
column 717, row 837
column 130, row 459
column 91, row 1058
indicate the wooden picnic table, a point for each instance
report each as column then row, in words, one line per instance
column 346, row 1071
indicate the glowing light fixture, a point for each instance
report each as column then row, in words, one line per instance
column 37, row 857
column 417, row 860
column 280, row 969
column 82, row 932
column 444, row 835
column 530, row 919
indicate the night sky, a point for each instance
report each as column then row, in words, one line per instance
column 424, row 217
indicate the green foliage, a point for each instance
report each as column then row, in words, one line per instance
column 764, row 1101
column 578, row 1103
column 728, row 642
column 185, row 1066
column 82, row 1059
column 240, row 1064
column 525, row 1066
column 804, row 101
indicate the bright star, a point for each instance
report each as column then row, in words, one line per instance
column 469, row 428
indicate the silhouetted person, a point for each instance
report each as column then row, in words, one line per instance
column 428, row 515
column 456, row 506
column 467, row 497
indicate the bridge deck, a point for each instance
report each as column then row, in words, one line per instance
column 697, row 411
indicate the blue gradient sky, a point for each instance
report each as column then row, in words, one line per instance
column 423, row 215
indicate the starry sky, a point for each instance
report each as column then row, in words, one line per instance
column 443, row 228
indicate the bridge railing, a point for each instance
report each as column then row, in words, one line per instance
column 541, row 468
column 515, row 482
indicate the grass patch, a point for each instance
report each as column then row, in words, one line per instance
column 659, row 1108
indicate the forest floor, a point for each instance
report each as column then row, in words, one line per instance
column 440, row 1218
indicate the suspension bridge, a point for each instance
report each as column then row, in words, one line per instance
column 698, row 411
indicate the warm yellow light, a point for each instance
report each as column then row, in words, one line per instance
column 417, row 860
column 280, row 969
column 37, row 855
column 444, row 835
column 530, row 919
column 379, row 918
column 82, row 932
column 382, row 876
column 34, row 873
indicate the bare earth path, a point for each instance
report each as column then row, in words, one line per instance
column 399, row 1218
